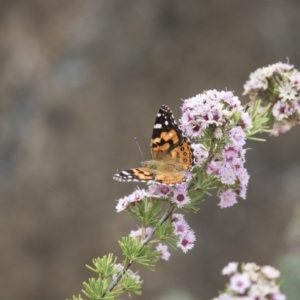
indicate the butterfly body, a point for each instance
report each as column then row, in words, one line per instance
column 171, row 153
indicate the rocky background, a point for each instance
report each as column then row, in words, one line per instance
column 79, row 80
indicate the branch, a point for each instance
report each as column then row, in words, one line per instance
column 163, row 219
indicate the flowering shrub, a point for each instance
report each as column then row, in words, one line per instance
column 218, row 126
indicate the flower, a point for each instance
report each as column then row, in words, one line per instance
column 139, row 232
column 251, row 269
column 228, row 198
column 180, row 198
column 237, row 136
column 270, row 272
column 246, row 121
column 287, row 92
column 165, row 254
column 279, row 110
column 230, row 268
column 159, row 190
column 280, row 127
column 200, row 154
column 239, row 283
column 136, row 233
column 122, row 204
column 181, row 227
column 177, row 217
column 243, row 176
column 227, row 175
column 187, row 241
column 137, row 195
column 278, row 296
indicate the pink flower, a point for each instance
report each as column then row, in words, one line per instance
column 165, row 254
column 278, row 296
column 243, row 176
column 137, row 195
column 237, row 136
column 280, row 127
column 138, row 232
column 246, row 121
column 200, row 154
column 230, row 268
column 187, row 241
column 122, row 204
column 239, row 283
column 181, row 227
column 180, row 198
column 177, row 217
column 149, row 230
column 231, row 154
column 228, row 198
column 227, row 175
column 243, row 192
column 159, row 190
column 279, row 110
column 214, row 167
column 295, row 80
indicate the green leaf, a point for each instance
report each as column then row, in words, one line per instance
column 147, row 211
column 260, row 119
column 76, row 298
column 131, row 283
column 134, row 251
column 96, row 289
column 105, row 266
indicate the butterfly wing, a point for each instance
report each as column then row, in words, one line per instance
column 166, row 134
column 168, row 140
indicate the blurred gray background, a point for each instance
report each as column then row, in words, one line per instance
column 79, row 80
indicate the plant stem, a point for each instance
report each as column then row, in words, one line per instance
column 144, row 242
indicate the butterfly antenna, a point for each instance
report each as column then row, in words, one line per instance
column 138, row 145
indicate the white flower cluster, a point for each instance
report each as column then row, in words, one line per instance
column 258, row 80
column 254, row 282
column 278, row 85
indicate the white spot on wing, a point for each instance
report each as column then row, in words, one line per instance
column 166, row 123
column 157, row 126
column 158, row 115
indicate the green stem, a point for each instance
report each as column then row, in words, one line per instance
column 144, row 242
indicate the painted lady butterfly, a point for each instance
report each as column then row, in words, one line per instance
column 171, row 154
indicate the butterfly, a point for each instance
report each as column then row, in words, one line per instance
column 171, row 153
